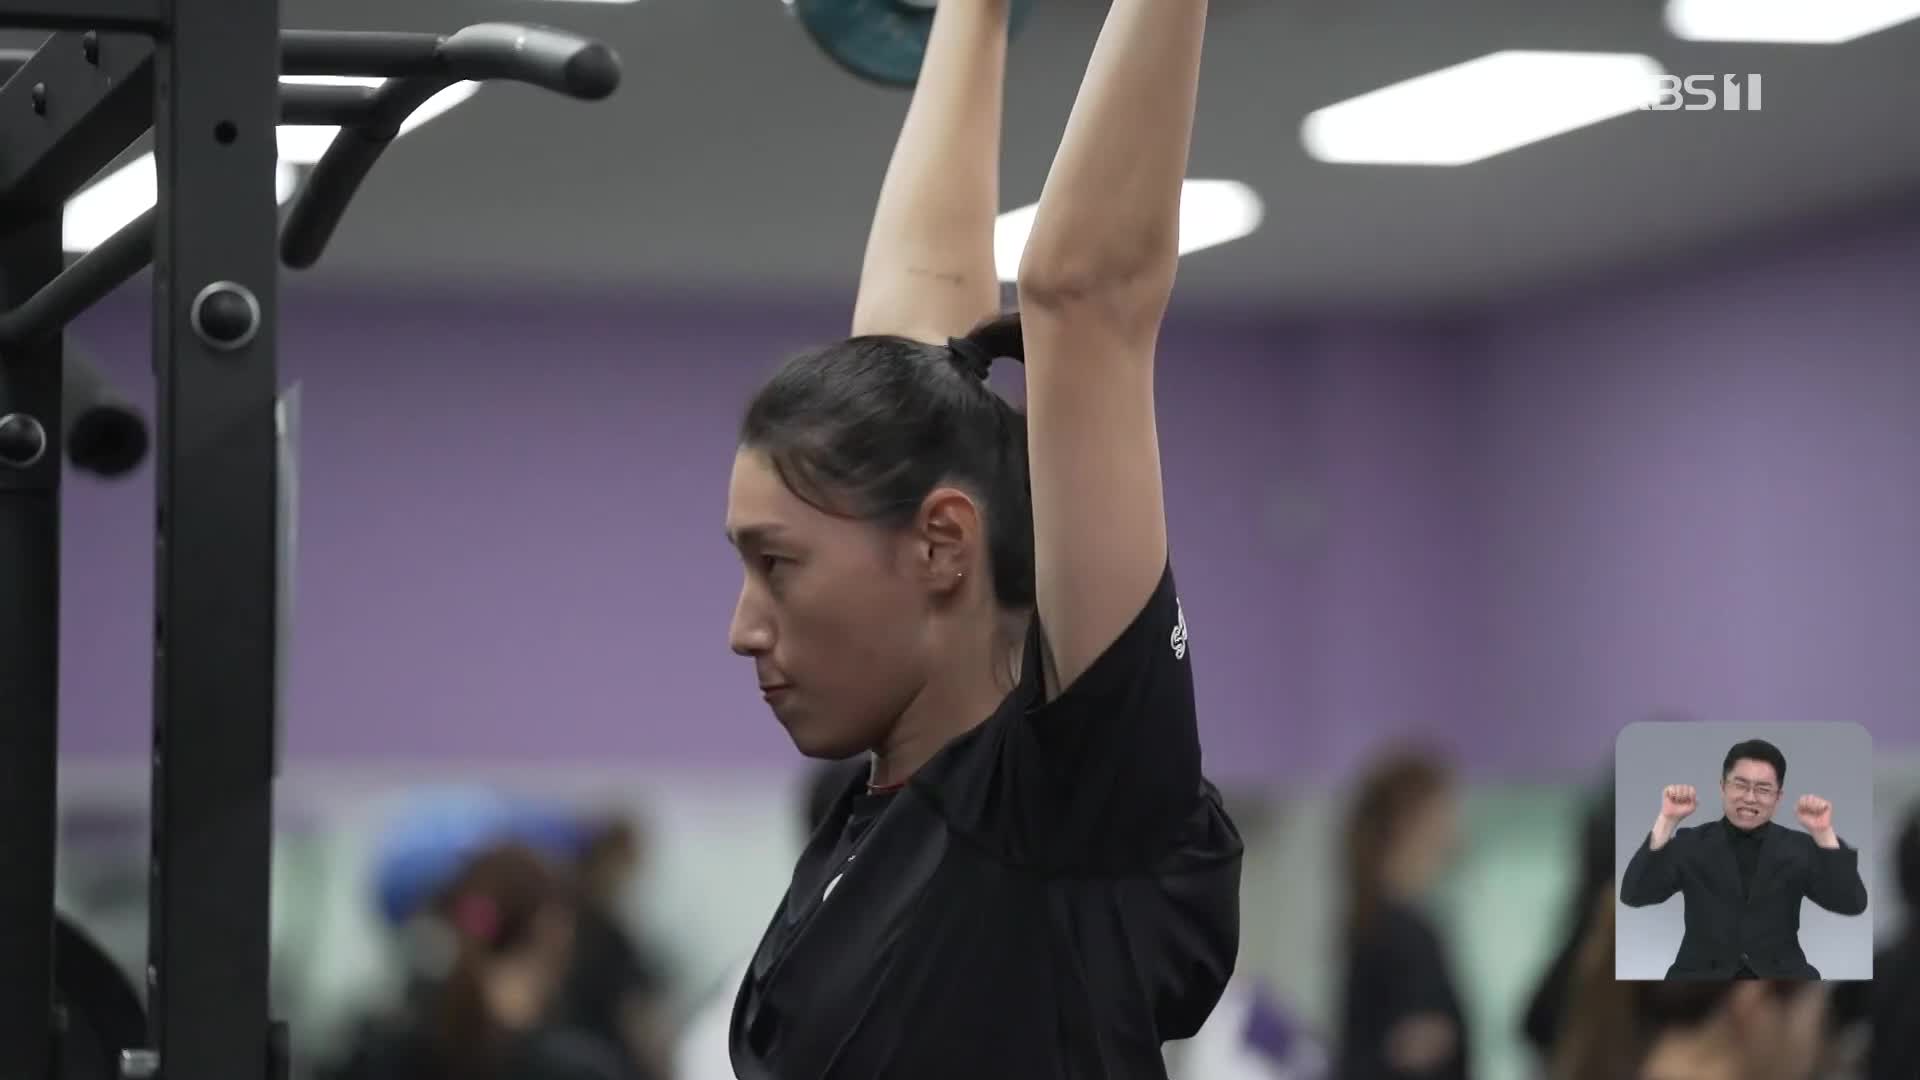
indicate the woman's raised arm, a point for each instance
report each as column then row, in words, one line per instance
column 1095, row 280
column 928, row 273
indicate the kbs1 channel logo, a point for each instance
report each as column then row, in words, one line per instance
column 1699, row 93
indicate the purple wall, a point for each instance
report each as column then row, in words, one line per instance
column 1392, row 592
column 1704, row 495
column 510, row 533
column 1521, row 536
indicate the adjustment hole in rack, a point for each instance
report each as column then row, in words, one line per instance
column 224, row 133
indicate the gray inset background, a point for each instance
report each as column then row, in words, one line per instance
column 1832, row 760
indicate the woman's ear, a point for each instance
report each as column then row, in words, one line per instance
column 949, row 534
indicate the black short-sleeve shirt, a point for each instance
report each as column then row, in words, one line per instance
column 1397, row 970
column 1054, row 895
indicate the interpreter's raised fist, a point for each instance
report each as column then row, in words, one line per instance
column 1677, row 801
column 1815, row 813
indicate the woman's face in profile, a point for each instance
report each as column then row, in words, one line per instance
column 835, row 631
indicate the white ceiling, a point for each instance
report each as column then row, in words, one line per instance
column 735, row 157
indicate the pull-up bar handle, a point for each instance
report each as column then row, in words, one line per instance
column 551, row 59
column 540, row 56
column 561, row 62
column 417, row 67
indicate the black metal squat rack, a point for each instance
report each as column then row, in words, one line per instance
column 204, row 75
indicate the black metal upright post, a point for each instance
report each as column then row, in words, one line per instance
column 216, row 77
column 30, row 455
column 65, row 111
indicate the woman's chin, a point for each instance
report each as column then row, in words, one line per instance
column 820, row 745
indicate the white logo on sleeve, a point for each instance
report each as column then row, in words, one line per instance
column 1179, row 636
column 836, row 880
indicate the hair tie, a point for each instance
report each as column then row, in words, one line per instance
column 476, row 917
column 968, row 356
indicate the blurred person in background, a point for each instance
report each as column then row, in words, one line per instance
column 617, row 987
column 495, row 943
column 1887, row 1010
column 1596, row 1039
column 1745, row 1029
column 1896, row 971
column 1593, row 881
column 702, row 1052
column 1402, row 1015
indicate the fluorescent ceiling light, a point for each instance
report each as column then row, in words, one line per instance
column 1799, row 22
column 113, row 201
column 1485, row 106
column 305, row 145
column 1212, row 212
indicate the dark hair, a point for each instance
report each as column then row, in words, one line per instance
column 491, row 909
column 1596, row 1040
column 1756, row 750
column 608, row 853
column 867, row 427
column 1392, row 791
column 1613, row 1024
column 608, row 837
column 1906, row 859
column 1546, row 1014
column 1595, row 870
column 1678, row 1005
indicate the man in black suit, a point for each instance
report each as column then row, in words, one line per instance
column 1743, row 877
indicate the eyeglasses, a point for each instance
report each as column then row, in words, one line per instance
column 1762, row 792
